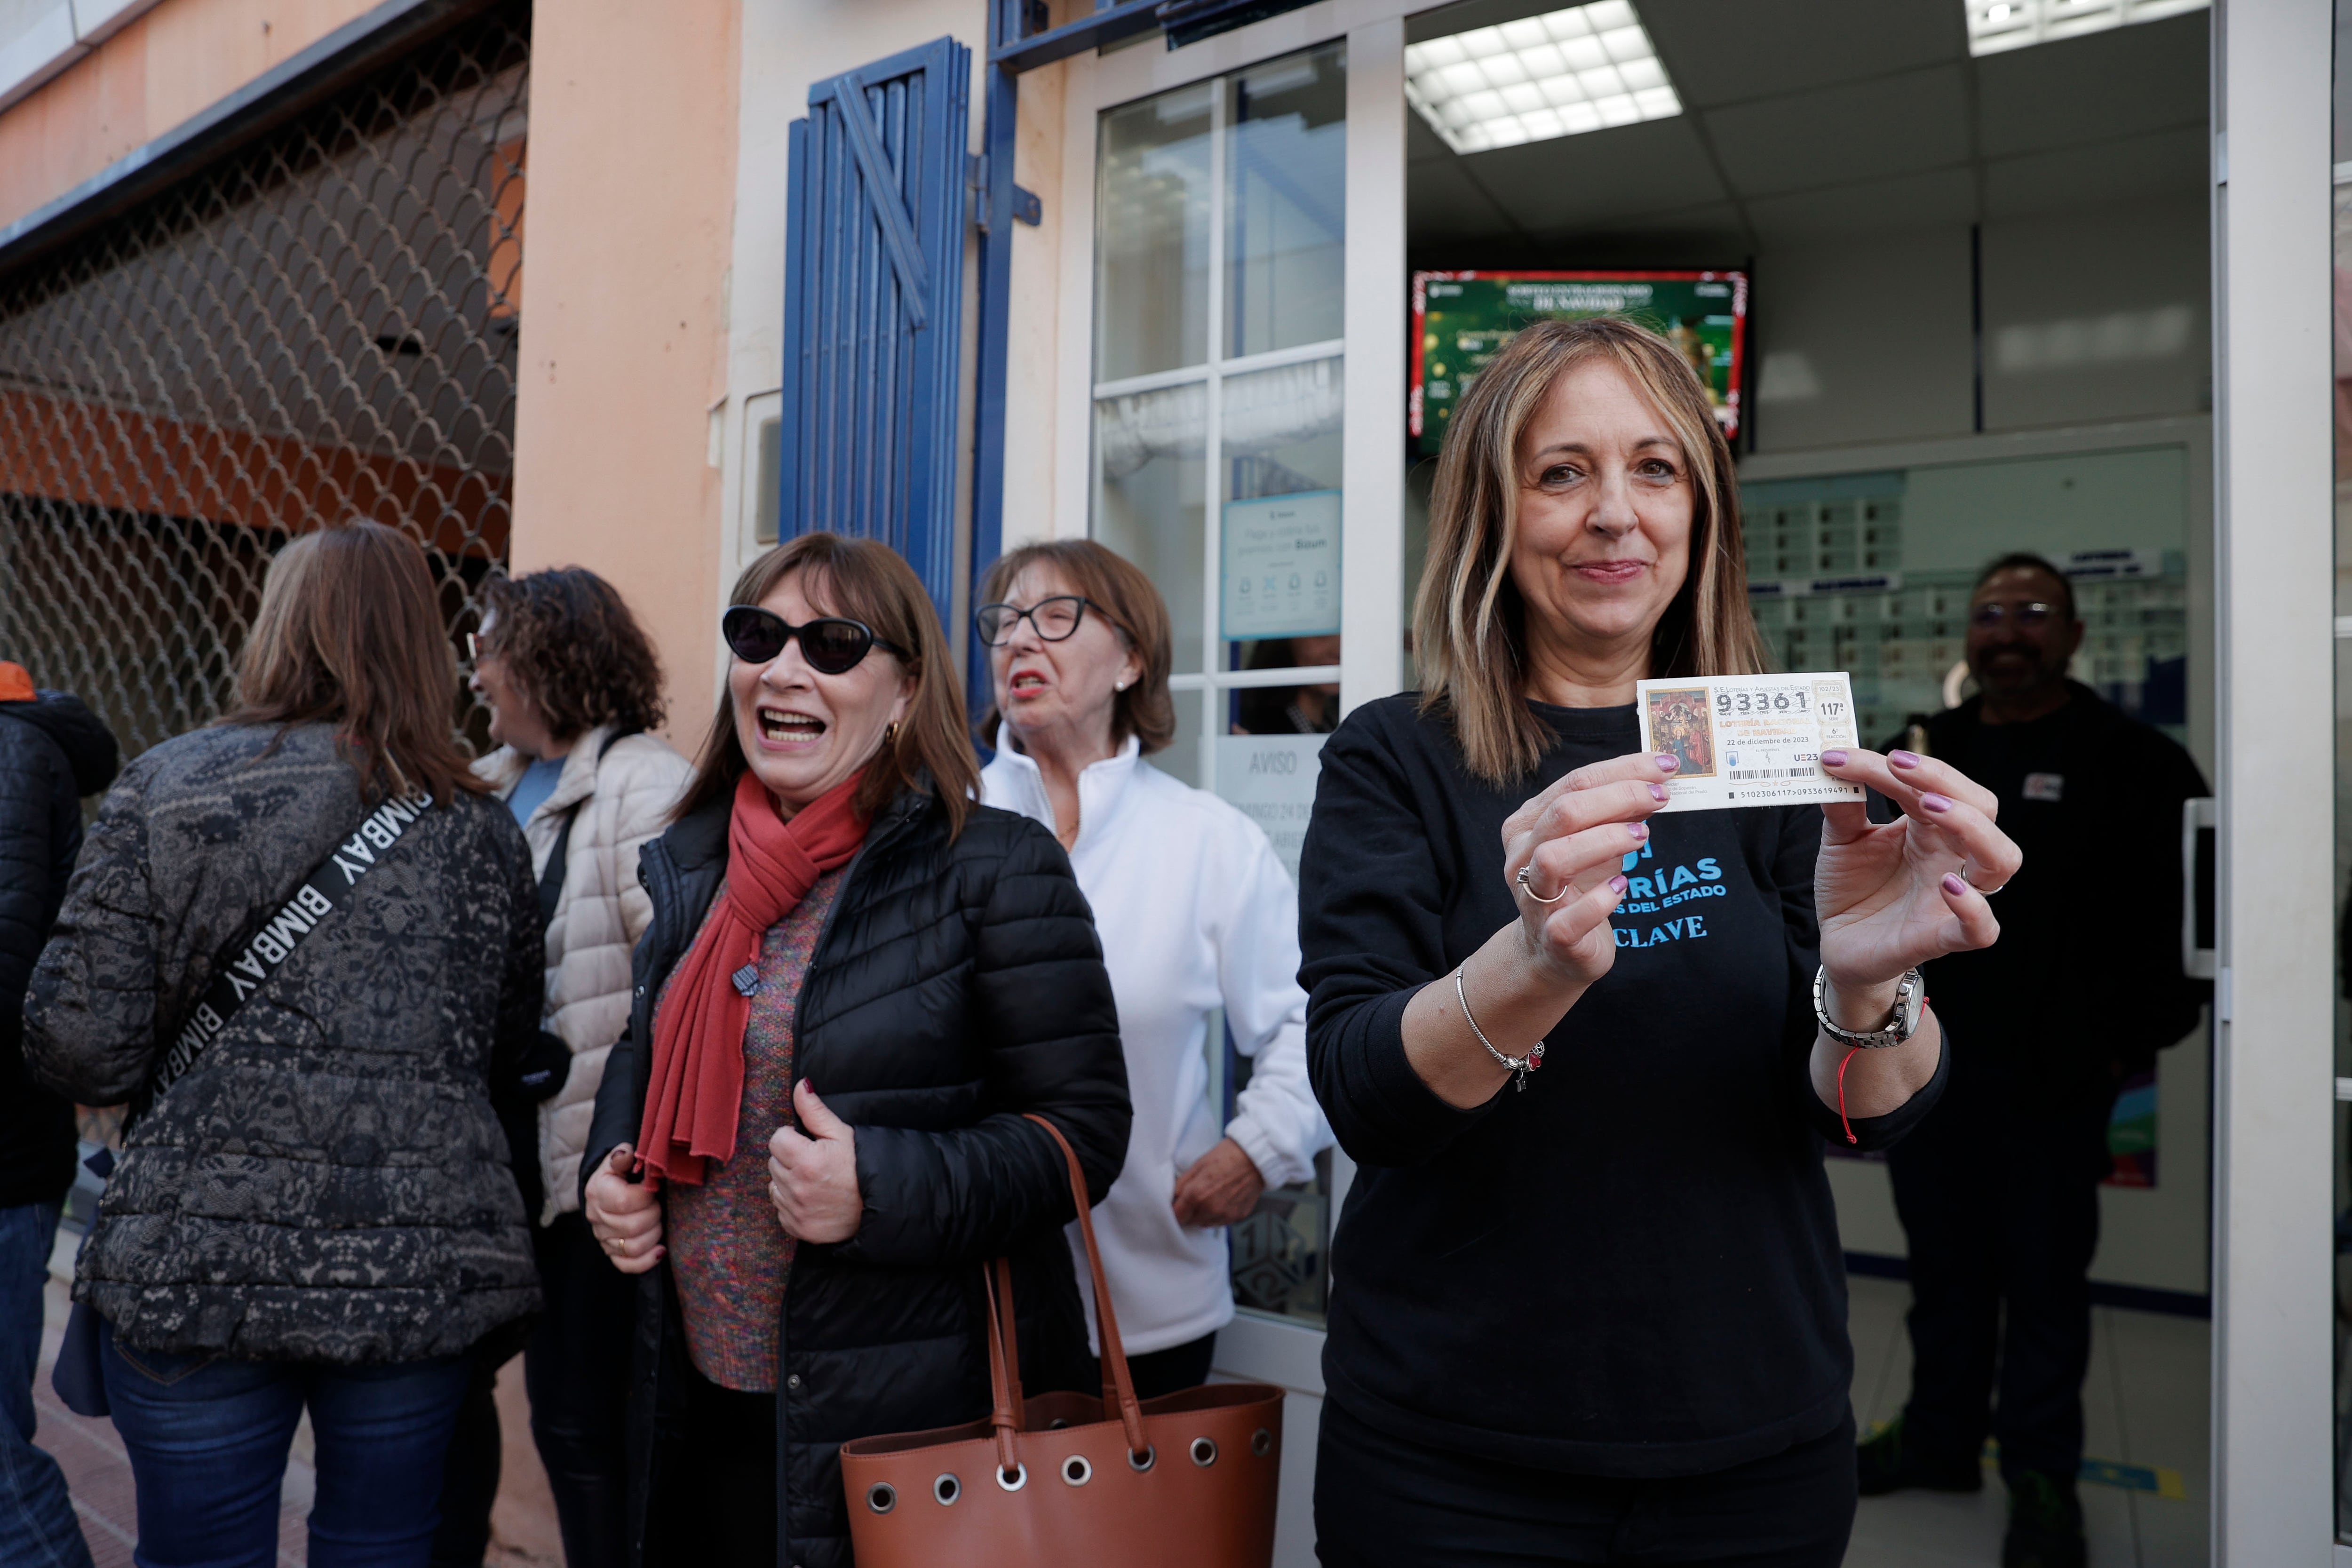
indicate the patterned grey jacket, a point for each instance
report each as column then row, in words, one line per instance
column 328, row 1182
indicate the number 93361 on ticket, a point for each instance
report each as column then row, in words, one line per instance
column 1748, row 740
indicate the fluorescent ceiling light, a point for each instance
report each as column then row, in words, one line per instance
column 1562, row 74
column 1998, row 25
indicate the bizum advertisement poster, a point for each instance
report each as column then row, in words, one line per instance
column 1462, row 319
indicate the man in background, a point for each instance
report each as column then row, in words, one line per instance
column 53, row 751
column 1998, row 1191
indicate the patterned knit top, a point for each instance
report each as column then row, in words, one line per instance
column 729, row 1256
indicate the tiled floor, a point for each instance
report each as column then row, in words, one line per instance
column 2145, row 1406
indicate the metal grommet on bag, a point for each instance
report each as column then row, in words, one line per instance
column 1261, row 1442
column 946, row 1488
column 1204, row 1452
column 1077, row 1470
column 1020, row 1477
column 881, row 1496
column 1057, row 1422
column 1145, row 1460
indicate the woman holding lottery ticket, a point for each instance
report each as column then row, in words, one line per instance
column 1584, row 1009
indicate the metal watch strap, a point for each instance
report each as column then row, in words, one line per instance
column 1910, row 1001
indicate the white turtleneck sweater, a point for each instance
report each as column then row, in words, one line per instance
column 1195, row 914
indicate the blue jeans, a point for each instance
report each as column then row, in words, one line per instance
column 38, row 1528
column 209, row 1439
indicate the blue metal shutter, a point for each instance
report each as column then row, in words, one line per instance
column 874, row 250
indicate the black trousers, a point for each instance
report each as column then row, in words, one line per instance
column 1998, row 1194
column 1171, row 1371
column 1383, row 1503
column 713, row 1502
column 576, row 1371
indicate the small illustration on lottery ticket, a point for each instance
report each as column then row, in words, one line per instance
column 1682, row 722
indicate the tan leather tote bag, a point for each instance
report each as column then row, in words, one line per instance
column 1187, row 1480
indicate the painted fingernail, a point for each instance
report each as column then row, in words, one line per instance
column 1637, row 831
column 1835, row 759
column 1616, row 884
column 1668, row 763
column 1954, row 886
column 1935, row 801
column 1657, row 792
column 1904, row 759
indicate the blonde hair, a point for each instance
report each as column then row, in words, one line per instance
column 1468, row 619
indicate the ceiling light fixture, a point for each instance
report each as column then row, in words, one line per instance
column 1586, row 67
column 1998, row 25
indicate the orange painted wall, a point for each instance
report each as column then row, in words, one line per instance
column 180, row 57
column 632, row 133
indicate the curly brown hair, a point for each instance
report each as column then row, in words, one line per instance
column 571, row 643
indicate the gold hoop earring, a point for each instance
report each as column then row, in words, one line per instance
column 890, row 733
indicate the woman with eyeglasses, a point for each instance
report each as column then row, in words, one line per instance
column 1196, row 914
column 831, row 902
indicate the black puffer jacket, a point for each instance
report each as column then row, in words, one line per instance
column 328, row 1182
column 53, row 750
column 954, row 987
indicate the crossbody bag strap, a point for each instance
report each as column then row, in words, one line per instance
column 551, row 880
column 255, row 958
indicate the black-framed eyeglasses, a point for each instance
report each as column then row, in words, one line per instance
column 1056, row 619
column 2035, row 614
column 832, row 643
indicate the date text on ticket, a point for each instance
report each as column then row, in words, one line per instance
column 1748, row 740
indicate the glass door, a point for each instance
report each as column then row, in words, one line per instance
column 1218, row 398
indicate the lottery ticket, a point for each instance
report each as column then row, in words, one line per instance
column 1748, row 740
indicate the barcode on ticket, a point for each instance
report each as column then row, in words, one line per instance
column 1743, row 775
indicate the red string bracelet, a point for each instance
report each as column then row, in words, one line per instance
column 1841, row 1120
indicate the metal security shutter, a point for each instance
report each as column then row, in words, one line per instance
column 873, row 306
column 315, row 325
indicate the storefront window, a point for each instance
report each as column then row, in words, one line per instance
column 1219, row 222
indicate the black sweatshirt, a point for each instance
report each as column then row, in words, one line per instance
column 1632, row 1268
column 2093, row 797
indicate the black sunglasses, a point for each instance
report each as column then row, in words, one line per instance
column 832, row 643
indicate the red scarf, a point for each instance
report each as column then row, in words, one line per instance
column 697, row 1069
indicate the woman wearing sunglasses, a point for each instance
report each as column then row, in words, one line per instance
column 1196, row 914
column 831, row 910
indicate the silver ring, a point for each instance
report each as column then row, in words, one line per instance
column 1529, row 891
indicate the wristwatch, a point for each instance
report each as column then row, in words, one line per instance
column 1910, row 1002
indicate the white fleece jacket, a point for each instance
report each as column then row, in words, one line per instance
column 1195, row 913
column 624, row 790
